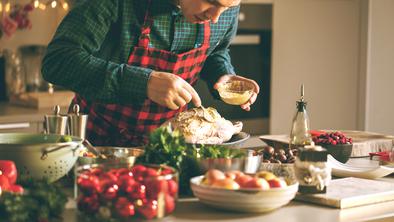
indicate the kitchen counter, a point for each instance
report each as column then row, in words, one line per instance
column 14, row 113
column 190, row 209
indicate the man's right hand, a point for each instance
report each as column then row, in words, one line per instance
column 171, row 91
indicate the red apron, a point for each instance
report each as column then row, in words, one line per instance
column 130, row 125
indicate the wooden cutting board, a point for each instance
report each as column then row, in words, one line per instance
column 352, row 192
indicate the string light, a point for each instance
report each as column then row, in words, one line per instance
column 65, row 6
column 36, row 3
column 7, row 7
column 54, row 4
column 40, row 4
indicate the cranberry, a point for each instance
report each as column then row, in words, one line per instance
column 172, row 187
column 149, row 209
column 124, row 208
column 169, row 203
column 137, row 191
column 155, row 186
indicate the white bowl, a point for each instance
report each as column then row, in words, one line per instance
column 243, row 200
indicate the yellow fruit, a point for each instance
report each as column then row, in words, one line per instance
column 266, row 175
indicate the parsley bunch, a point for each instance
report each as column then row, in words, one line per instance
column 40, row 202
column 169, row 147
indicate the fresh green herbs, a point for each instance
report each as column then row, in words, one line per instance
column 169, row 147
column 216, row 152
column 41, row 201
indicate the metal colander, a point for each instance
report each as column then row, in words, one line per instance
column 40, row 155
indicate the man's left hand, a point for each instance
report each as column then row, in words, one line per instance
column 230, row 77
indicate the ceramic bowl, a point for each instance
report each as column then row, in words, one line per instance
column 340, row 152
column 243, row 200
column 235, row 92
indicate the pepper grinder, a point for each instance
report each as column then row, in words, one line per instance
column 77, row 122
column 56, row 123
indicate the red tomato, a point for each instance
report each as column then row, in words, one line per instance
column 16, row 189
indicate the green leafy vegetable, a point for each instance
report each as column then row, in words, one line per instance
column 41, row 202
column 169, row 147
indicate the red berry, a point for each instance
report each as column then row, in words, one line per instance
column 111, row 192
column 172, row 187
column 137, row 191
column 88, row 184
column 154, row 187
column 138, row 172
column 125, row 181
column 150, row 172
column 166, row 171
column 169, row 203
column 149, row 209
column 124, row 208
column 334, row 142
column 89, row 204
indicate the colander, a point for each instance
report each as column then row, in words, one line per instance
column 40, row 155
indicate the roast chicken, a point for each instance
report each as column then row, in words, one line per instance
column 204, row 126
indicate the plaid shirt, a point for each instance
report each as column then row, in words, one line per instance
column 89, row 51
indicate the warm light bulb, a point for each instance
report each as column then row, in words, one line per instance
column 7, row 7
column 1, row 6
column 36, row 4
column 42, row 6
column 54, row 4
column 65, row 6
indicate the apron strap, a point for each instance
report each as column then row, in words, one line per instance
column 146, row 27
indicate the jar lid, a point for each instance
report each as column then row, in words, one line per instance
column 313, row 154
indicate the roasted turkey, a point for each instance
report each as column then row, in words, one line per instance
column 204, row 126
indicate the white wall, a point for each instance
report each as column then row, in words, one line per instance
column 315, row 42
column 44, row 26
column 380, row 68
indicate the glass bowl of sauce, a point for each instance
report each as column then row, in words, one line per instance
column 235, row 92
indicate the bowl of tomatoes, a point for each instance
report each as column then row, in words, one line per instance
column 126, row 193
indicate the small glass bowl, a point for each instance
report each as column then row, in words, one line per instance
column 236, row 92
column 124, row 193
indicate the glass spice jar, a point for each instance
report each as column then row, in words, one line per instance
column 312, row 170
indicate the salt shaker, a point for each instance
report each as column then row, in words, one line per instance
column 77, row 122
column 55, row 123
column 312, row 170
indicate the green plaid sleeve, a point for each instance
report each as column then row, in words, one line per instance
column 218, row 62
column 71, row 59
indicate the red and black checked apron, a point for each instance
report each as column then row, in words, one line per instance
column 130, row 125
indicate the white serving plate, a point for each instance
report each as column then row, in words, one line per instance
column 243, row 200
column 368, row 172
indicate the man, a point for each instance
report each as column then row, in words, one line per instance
column 132, row 63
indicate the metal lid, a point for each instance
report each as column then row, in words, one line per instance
column 313, row 154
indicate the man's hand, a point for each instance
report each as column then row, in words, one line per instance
column 171, row 91
column 229, row 77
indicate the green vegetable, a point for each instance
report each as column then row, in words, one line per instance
column 41, row 201
column 214, row 152
column 64, row 139
column 169, row 147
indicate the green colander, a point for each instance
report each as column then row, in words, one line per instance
column 40, row 155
